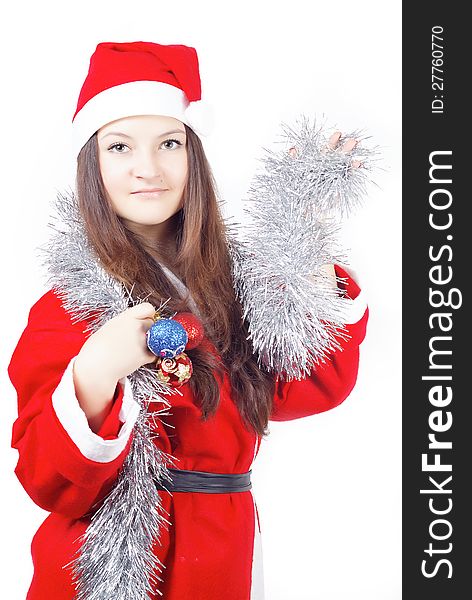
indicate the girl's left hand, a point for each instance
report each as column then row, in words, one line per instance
column 333, row 141
column 347, row 146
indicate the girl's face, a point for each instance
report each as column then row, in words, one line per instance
column 143, row 163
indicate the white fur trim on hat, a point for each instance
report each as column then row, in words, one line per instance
column 136, row 98
column 200, row 117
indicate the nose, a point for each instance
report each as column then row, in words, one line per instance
column 147, row 166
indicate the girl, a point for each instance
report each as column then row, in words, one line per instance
column 150, row 494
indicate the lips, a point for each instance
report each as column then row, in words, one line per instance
column 149, row 191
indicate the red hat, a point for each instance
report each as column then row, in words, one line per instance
column 140, row 78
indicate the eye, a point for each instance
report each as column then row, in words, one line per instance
column 170, row 144
column 118, row 146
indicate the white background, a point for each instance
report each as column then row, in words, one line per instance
column 328, row 487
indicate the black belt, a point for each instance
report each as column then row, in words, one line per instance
column 208, row 483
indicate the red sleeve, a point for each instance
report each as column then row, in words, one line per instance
column 51, row 468
column 331, row 382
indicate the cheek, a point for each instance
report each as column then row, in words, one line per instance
column 174, row 168
column 112, row 175
column 182, row 171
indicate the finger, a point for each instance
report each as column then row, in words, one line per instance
column 293, row 151
column 151, row 358
column 143, row 310
column 348, row 145
column 334, row 139
column 146, row 323
column 149, row 354
column 356, row 164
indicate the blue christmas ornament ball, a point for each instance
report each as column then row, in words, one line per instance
column 166, row 338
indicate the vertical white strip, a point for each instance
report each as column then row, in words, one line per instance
column 257, row 574
column 257, row 577
column 256, row 446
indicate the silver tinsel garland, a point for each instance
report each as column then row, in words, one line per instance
column 294, row 316
column 294, row 206
column 116, row 559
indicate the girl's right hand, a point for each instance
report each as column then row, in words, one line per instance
column 119, row 347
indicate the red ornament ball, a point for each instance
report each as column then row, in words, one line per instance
column 193, row 326
column 174, row 371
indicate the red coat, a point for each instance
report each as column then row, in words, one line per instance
column 212, row 548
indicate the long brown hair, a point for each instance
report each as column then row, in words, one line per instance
column 202, row 262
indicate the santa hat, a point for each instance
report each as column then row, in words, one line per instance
column 140, row 78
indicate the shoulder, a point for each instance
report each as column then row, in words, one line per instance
column 49, row 310
column 49, row 304
column 48, row 301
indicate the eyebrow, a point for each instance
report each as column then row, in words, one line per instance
column 121, row 134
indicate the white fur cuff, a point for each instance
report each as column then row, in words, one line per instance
column 74, row 421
